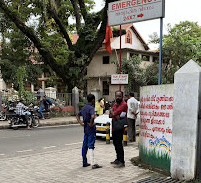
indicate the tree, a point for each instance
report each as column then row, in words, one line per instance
column 16, row 53
column 21, row 74
column 138, row 76
column 53, row 32
column 182, row 43
column 132, row 68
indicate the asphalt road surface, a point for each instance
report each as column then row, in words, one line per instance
column 22, row 141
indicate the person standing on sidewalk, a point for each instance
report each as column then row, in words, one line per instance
column 132, row 116
column 99, row 107
column 119, row 109
column 88, row 114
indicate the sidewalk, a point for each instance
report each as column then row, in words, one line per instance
column 65, row 166
column 48, row 122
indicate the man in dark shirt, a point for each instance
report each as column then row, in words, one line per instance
column 88, row 114
column 118, row 111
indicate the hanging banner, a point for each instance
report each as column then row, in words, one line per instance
column 130, row 11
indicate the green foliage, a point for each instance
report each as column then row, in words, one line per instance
column 182, row 43
column 136, row 74
column 16, row 53
column 132, row 68
column 82, row 103
column 53, row 80
column 57, row 112
column 45, row 25
column 28, row 97
column 21, row 74
column 116, row 32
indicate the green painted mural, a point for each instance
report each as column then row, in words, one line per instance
column 156, row 158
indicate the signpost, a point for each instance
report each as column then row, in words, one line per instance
column 130, row 11
column 119, row 79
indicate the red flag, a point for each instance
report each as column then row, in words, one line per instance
column 108, row 35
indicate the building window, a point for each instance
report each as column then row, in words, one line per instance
column 105, row 88
column 128, row 37
column 145, row 57
column 106, row 59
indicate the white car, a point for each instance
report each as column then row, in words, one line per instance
column 102, row 120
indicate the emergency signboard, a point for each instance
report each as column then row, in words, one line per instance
column 119, row 79
column 130, row 11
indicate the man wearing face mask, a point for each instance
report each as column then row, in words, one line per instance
column 118, row 111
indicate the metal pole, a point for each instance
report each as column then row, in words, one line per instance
column 160, row 53
column 120, row 58
column 0, row 101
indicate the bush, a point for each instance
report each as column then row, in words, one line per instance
column 61, row 111
column 82, row 104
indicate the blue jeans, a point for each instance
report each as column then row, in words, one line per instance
column 88, row 143
column 41, row 111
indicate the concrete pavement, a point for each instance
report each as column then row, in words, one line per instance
column 65, row 165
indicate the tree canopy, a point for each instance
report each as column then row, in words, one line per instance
column 180, row 44
column 52, row 30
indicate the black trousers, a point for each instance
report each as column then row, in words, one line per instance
column 25, row 118
column 131, row 130
column 117, row 137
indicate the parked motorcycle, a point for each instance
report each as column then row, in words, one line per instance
column 3, row 116
column 8, row 111
column 35, row 121
column 17, row 120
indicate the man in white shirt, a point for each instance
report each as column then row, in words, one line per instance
column 132, row 116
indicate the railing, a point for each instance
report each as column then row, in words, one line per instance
column 64, row 99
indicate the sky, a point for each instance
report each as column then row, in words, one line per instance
column 175, row 12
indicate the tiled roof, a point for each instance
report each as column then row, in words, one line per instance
column 124, row 27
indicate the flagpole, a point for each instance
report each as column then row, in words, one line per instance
column 120, row 59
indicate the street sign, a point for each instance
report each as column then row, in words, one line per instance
column 130, row 11
column 119, row 79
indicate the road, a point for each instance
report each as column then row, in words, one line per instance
column 53, row 155
column 22, row 141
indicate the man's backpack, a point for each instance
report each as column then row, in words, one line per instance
column 49, row 101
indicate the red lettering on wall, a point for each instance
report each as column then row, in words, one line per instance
column 155, row 113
